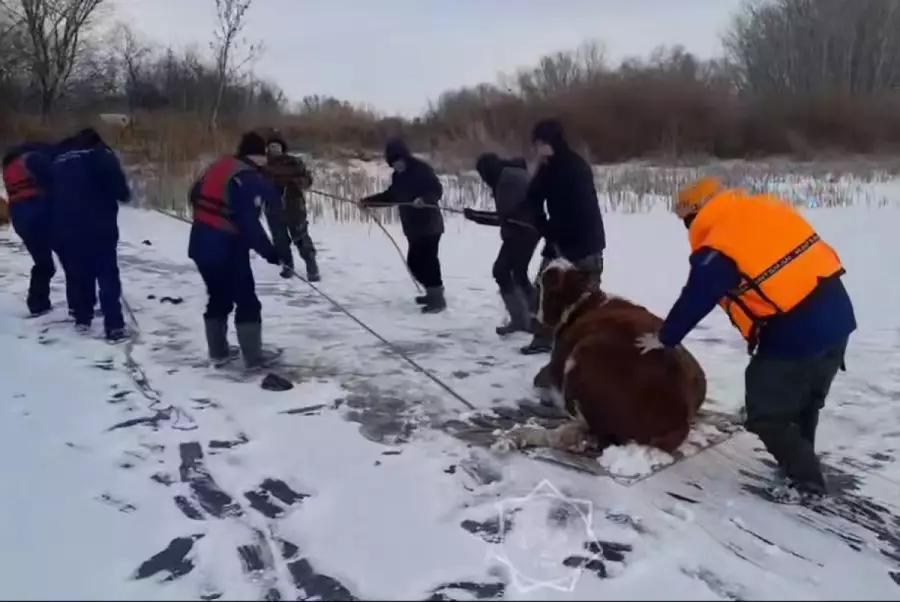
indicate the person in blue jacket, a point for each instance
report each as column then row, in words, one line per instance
column 781, row 286
column 89, row 185
column 27, row 173
column 226, row 201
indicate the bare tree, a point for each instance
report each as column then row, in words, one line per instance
column 55, row 30
column 226, row 45
column 808, row 47
column 134, row 55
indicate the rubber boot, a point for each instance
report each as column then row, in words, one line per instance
column 312, row 269
column 434, row 300
column 220, row 352
column 540, row 343
column 249, row 337
column 519, row 315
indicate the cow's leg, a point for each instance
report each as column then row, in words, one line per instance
column 521, row 436
column 573, row 436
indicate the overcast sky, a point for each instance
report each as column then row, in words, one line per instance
column 398, row 54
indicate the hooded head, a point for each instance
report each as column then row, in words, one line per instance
column 252, row 146
column 396, row 150
column 275, row 145
column 548, row 137
column 85, row 139
column 694, row 196
column 489, row 166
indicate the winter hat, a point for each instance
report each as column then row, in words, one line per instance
column 699, row 191
column 251, row 144
column 549, row 131
column 395, row 149
column 277, row 139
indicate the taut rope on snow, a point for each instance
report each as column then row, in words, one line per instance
column 380, row 225
column 396, row 350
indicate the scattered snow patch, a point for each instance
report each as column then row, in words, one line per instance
column 633, row 460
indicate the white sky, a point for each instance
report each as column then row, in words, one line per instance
column 398, row 54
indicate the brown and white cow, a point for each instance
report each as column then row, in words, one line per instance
column 613, row 393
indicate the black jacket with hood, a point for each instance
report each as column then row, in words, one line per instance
column 508, row 181
column 573, row 222
column 416, row 181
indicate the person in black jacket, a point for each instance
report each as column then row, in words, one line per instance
column 416, row 190
column 573, row 225
column 508, row 181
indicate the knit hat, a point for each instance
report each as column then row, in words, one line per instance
column 251, row 144
column 699, row 191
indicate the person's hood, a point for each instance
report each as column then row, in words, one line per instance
column 396, row 149
column 87, row 138
column 490, row 165
column 550, row 131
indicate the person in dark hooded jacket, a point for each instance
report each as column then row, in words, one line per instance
column 28, row 175
column 508, row 181
column 226, row 201
column 417, row 191
column 288, row 219
column 573, row 224
column 89, row 184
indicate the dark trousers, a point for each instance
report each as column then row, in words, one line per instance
column 783, row 399
column 91, row 268
column 423, row 260
column 278, row 228
column 43, row 270
column 231, row 287
column 510, row 269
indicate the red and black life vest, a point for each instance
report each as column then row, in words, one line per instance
column 20, row 185
column 212, row 205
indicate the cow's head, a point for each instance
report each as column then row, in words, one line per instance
column 560, row 287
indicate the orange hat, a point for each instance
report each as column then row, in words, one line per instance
column 699, row 191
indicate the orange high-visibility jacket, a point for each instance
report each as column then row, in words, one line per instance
column 779, row 255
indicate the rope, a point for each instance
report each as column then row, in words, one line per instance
column 380, row 225
column 137, row 375
column 438, row 207
column 393, row 348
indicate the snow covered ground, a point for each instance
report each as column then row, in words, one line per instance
column 136, row 473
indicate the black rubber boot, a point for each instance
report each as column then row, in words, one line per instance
column 220, row 352
column 519, row 315
column 435, row 302
column 250, row 339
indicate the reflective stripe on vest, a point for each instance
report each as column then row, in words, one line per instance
column 780, row 257
column 19, row 183
column 213, row 207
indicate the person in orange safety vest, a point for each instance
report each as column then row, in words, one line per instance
column 27, row 177
column 780, row 285
column 226, row 202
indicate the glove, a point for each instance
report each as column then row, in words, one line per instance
column 418, row 203
column 287, row 272
column 648, row 342
column 468, row 213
